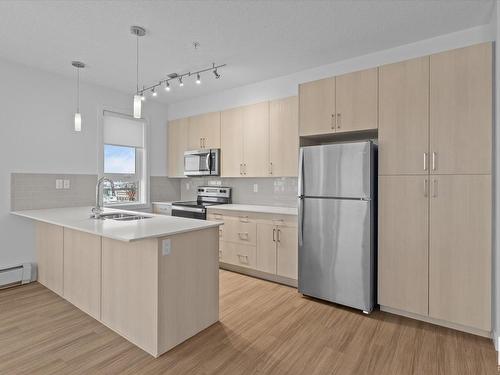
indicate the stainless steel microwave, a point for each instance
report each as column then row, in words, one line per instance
column 202, row 162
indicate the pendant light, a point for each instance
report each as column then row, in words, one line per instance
column 78, row 117
column 138, row 97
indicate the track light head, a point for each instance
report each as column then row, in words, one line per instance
column 216, row 74
column 180, row 82
column 198, row 79
column 167, row 86
column 153, row 92
column 143, row 98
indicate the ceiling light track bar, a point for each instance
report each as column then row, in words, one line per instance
column 179, row 77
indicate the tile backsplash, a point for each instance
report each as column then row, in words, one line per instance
column 31, row 191
column 164, row 189
column 270, row 191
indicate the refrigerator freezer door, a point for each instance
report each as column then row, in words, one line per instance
column 335, row 251
column 341, row 170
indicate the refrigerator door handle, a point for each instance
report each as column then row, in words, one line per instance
column 301, row 173
column 301, row 220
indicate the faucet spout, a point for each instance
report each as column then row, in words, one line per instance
column 97, row 210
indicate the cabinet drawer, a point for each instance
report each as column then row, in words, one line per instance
column 240, row 230
column 238, row 254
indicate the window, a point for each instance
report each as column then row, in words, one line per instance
column 124, row 160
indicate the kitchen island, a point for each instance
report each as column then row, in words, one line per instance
column 154, row 280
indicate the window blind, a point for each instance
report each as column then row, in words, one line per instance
column 122, row 130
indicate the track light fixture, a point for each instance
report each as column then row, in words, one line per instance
column 198, row 79
column 180, row 82
column 153, row 92
column 216, row 74
column 167, row 86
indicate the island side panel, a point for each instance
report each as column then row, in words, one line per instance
column 129, row 302
column 82, row 271
column 49, row 254
column 188, row 291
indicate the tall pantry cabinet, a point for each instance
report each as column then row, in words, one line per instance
column 435, row 151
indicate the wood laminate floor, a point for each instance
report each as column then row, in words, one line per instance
column 264, row 328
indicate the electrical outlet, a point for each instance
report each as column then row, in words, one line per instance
column 59, row 184
column 166, row 247
column 255, row 188
column 66, row 184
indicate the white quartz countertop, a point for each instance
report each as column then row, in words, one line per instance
column 277, row 210
column 78, row 218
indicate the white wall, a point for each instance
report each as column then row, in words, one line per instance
column 288, row 85
column 36, row 135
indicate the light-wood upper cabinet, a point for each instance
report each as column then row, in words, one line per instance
column 256, row 140
column 177, row 143
column 356, row 101
column 317, row 107
column 403, row 221
column 461, row 110
column 204, row 131
column 232, row 142
column 403, row 133
column 460, row 250
column 283, row 137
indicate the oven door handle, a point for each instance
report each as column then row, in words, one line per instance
column 188, row 209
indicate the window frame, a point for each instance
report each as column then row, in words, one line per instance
column 142, row 161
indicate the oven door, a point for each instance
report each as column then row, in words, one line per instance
column 201, row 163
column 189, row 212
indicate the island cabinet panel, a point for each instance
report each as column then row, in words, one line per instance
column 49, row 253
column 356, row 101
column 177, row 141
column 188, row 279
column 317, row 107
column 204, row 131
column 403, row 134
column 82, row 271
column 461, row 110
column 283, row 137
column 130, row 290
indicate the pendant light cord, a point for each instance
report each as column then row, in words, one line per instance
column 78, row 90
column 137, row 65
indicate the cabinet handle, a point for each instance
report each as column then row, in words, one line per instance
column 241, row 169
column 270, row 167
column 243, row 235
column 426, row 188
column 200, row 144
column 244, row 219
column 274, row 234
column 332, row 122
column 245, row 257
column 204, row 143
column 339, row 120
column 434, row 160
column 425, row 161
column 244, row 168
column 435, row 190
column 279, row 235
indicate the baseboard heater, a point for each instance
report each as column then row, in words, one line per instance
column 17, row 275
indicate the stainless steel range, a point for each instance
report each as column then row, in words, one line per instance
column 207, row 196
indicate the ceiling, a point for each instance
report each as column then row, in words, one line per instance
column 256, row 39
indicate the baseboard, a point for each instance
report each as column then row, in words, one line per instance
column 259, row 274
column 443, row 323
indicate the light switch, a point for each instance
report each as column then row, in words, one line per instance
column 166, row 247
column 187, row 186
column 66, row 184
column 255, row 188
column 59, row 184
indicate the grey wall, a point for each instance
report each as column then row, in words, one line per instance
column 271, row 191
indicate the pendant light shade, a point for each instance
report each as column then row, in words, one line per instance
column 138, row 31
column 78, row 117
column 137, row 106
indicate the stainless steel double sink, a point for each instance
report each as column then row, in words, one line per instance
column 120, row 216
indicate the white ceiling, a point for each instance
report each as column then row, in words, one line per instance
column 257, row 39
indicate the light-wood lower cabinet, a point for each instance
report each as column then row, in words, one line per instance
column 460, row 250
column 49, row 254
column 287, row 251
column 403, row 209
column 266, row 244
column 82, row 271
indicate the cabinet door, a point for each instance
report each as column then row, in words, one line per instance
column 460, row 250
column 266, row 248
column 49, row 254
column 256, row 140
column 403, row 218
column 283, row 137
column 461, row 110
column 232, row 142
column 177, row 144
column 204, row 131
column 403, row 133
column 316, row 107
column 287, row 254
column 82, row 271
column 356, row 96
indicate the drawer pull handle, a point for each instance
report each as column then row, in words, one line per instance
column 244, row 219
column 243, row 258
column 243, row 235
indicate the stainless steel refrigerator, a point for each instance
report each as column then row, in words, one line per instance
column 336, row 223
